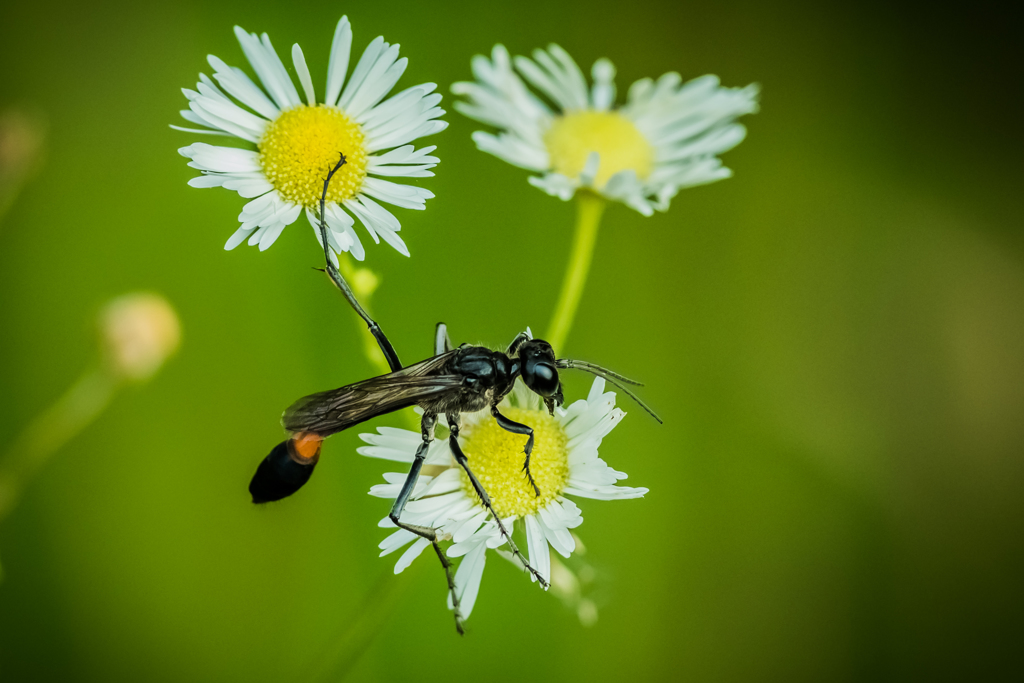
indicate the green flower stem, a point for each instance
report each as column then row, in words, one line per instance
column 44, row 435
column 364, row 282
column 72, row 412
column 344, row 650
column 589, row 208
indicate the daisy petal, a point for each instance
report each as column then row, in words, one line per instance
column 602, row 93
column 203, row 132
column 221, row 159
column 399, row 539
column 366, row 62
column 378, row 82
column 303, row 72
column 405, row 196
column 237, row 238
column 411, row 554
column 266, row 69
column 238, row 84
column 537, row 543
column 341, row 48
column 468, row 578
column 284, row 81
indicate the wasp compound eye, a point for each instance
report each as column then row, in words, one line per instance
column 544, row 373
column 540, row 377
column 285, row 470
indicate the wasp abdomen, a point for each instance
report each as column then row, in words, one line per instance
column 286, row 469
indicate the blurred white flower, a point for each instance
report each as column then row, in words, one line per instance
column 22, row 139
column 299, row 140
column 570, row 586
column 140, row 331
column 664, row 138
column 564, row 462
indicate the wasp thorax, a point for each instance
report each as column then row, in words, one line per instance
column 496, row 457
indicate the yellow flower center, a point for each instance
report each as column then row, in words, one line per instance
column 300, row 147
column 573, row 137
column 496, row 458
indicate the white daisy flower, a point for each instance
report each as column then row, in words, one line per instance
column 298, row 139
column 564, row 462
column 664, row 138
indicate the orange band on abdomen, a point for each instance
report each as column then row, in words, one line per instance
column 307, row 444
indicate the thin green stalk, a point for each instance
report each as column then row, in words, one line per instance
column 589, row 208
column 44, row 435
column 344, row 652
column 364, row 282
column 49, row 431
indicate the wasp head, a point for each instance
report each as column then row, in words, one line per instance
column 537, row 367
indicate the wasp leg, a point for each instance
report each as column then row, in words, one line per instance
column 447, row 564
column 382, row 341
column 516, row 343
column 442, row 343
column 460, row 457
column 516, row 428
column 429, row 420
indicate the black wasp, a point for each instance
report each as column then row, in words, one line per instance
column 451, row 382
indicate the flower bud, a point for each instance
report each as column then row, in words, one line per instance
column 21, row 143
column 140, row 331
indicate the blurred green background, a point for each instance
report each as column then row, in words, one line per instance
column 834, row 337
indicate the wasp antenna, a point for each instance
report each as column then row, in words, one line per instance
column 323, row 197
column 613, row 377
column 596, row 369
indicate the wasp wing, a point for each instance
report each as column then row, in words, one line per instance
column 329, row 412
